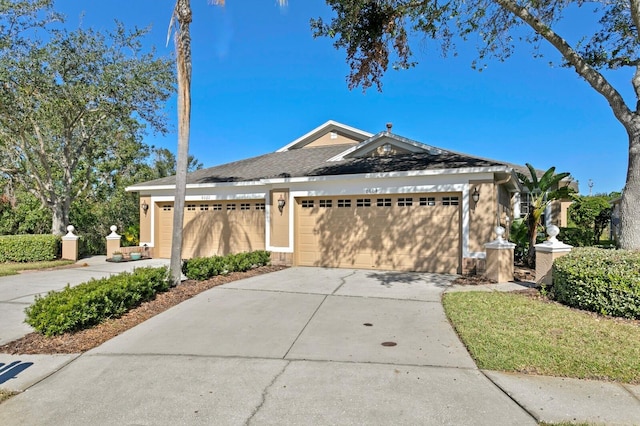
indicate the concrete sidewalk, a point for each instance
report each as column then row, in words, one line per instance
column 304, row 346
column 18, row 291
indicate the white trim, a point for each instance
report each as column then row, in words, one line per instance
column 385, row 175
column 476, row 255
column 465, row 221
column 267, row 221
column 382, row 175
column 324, row 128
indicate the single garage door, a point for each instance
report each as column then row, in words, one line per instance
column 417, row 232
column 214, row 228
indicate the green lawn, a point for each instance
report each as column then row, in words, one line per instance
column 13, row 268
column 512, row 332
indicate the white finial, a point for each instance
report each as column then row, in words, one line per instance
column 552, row 232
column 70, row 234
column 113, row 232
column 499, row 232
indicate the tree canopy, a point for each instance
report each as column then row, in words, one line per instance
column 73, row 112
column 375, row 34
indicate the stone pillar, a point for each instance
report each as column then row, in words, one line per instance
column 546, row 253
column 70, row 245
column 499, row 258
column 113, row 242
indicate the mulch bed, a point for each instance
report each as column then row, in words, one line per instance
column 520, row 274
column 84, row 340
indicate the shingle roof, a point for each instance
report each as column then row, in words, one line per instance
column 313, row 162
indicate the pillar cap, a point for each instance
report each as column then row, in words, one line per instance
column 553, row 245
column 500, row 243
column 113, row 235
column 70, row 236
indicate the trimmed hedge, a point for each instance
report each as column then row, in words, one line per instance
column 599, row 280
column 203, row 268
column 577, row 237
column 29, row 248
column 90, row 303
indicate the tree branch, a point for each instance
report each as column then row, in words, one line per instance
column 593, row 77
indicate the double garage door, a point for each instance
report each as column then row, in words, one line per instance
column 417, row 232
column 213, row 228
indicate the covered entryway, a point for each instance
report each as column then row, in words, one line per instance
column 413, row 232
column 213, row 228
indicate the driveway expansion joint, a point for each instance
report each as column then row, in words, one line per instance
column 305, row 326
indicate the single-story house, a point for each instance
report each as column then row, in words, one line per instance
column 342, row 197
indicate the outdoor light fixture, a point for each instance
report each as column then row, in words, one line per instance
column 144, row 206
column 476, row 195
column 281, row 203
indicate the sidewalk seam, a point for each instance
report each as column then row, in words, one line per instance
column 633, row 395
column 265, row 392
column 509, row 396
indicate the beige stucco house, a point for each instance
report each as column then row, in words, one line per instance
column 341, row 197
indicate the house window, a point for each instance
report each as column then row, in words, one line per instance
column 405, row 202
column 363, row 202
column 383, row 202
column 204, row 207
column 245, row 206
column 259, row 206
column 326, row 203
column 450, row 201
column 167, row 207
column 307, row 204
column 216, row 207
column 344, row 203
column 427, row 201
column 525, row 202
column 231, row 206
column 191, row 207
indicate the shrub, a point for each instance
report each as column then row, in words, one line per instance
column 577, row 237
column 598, row 280
column 90, row 303
column 203, row 268
column 29, row 248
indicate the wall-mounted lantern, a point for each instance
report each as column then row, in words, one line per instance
column 475, row 196
column 145, row 207
column 281, row 203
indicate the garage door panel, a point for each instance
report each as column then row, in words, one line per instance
column 396, row 236
column 212, row 229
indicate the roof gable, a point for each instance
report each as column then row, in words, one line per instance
column 386, row 143
column 329, row 133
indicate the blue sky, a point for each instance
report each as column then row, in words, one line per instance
column 260, row 80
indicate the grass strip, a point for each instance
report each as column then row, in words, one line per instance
column 513, row 332
column 13, row 268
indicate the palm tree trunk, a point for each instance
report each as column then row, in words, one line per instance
column 183, row 59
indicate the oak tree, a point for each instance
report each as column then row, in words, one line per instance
column 74, row 109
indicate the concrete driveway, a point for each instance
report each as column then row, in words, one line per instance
column 298, row 346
